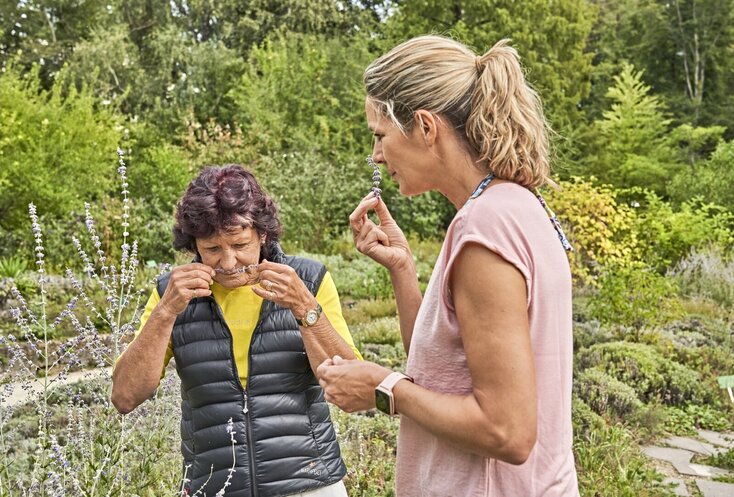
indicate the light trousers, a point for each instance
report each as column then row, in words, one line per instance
column 335, row 490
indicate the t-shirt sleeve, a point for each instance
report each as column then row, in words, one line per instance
column 328, row 299
column 495, row 232
column 149, row 307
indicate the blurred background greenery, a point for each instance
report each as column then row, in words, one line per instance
column 639, row 93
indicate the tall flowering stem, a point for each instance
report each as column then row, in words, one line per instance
column 128, row 261
column 41, row 270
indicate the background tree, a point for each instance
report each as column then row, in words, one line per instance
column 634, row 147
column 684, row 48
column 46, row 141
column 550, row 36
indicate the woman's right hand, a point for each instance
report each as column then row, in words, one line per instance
column 385, row 243
column 187, row 282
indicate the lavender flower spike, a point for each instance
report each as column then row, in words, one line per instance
column 376, row 178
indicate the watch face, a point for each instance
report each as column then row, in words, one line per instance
column 382, row 401
column 311, row 317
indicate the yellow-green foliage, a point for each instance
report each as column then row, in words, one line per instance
column 635, row 296
column 600, row 229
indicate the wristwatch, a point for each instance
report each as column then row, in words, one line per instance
column 311, row 317
column 384, row 399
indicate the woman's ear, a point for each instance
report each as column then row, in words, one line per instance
column 427, row 123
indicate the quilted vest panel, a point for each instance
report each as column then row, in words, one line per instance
column 285, row 440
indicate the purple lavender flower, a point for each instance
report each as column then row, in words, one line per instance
column 376, row 178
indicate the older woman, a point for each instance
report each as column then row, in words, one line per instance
column 485, row 402
column 247, row 326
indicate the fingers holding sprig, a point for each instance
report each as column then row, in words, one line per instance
column 385, row 242
column 358, row 217
column 281, row 284
column 186, row 283
column 371, row 241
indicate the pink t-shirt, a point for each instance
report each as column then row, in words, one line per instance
column 508, row 220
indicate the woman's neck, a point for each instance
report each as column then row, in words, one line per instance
column 460, row 176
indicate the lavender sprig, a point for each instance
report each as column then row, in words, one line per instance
column 376, row 177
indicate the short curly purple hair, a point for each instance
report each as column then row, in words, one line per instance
column 222, row 198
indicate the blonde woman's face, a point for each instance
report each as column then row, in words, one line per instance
column 403, row 155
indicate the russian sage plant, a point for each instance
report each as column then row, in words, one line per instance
column 59, row 438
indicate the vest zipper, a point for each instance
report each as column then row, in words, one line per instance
column 245, row 410
column 250, row 449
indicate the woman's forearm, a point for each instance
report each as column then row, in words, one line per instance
column 495, row 429
column 408, row 298
column 138, row 371
column 322, row 341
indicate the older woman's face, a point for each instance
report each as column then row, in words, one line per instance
column 229, row 253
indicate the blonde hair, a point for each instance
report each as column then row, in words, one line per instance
column 485, row 98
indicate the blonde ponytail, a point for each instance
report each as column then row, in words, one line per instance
column 486, row 99
column 506, row 125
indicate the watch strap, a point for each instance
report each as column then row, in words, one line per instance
column 391, row 380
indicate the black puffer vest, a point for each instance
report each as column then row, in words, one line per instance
column 285, row 441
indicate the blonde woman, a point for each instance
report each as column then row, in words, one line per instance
column 485, row 402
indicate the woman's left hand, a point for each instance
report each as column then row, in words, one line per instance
column 350, row 384
column 279, row 283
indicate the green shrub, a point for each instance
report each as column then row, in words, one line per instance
column 387, row 355
column 51, row 148
column 710, row 179
column 360, row 278
column 711, row 361
column 315, row 194
column 379, row 331
column 584, row 419
column 598, row 226
column 368, row 445
column 635, row 296
column 606, row 395
column 687, row 334
column 652, row 376
column 722, row 460
column 302, row 91
column 12, row 267
column 667, row 234
column 687, row 419
column 364, row 311
column 588, row 333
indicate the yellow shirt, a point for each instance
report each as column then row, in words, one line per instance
column 241, row 310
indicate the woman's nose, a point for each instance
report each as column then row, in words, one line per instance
column 228, row 260
column 377, row 156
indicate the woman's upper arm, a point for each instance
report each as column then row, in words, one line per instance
column 490, row 298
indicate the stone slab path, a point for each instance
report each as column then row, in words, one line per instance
column 679, row 451
column 715, row 489
column 21, row 392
